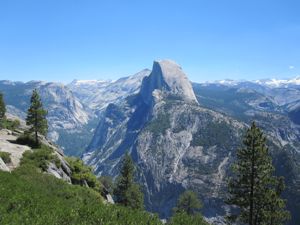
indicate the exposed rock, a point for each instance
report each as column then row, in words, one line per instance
column 58, row 172
column 109, row 199
column 16, row 151
column 167, row 76
column 7, row 144
column 3, row 166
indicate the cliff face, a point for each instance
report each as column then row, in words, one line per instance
column 167, row 77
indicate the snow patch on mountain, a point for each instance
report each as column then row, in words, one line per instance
column 271, row 83
column 279, row 82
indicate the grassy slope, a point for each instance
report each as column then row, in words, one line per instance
column 30, row 197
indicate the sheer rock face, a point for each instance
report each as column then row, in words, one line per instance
column 169, row 78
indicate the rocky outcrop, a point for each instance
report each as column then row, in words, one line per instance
column 7, row 139
column 8, row 144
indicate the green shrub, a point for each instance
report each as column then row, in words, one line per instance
column 11, row 124
column 5, row 157
column 40, row 158
column 27, row 139
column 82, row 174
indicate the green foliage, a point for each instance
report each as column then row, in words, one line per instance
column 187, row 210
column 36, row 116
column 10, row 124
column 134, row 197
column 253, row 188
column 29, row 197
column 127, row 192
column 27, row 139
column 189, row 203
column 82, row 174
column 40, row 158
column 182, row 218
column 5, row 156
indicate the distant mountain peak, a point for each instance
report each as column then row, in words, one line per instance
column 279, row 82
column 168, row 77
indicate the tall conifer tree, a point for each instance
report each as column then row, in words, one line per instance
column 36, row 116
column 188, row 202
column 127, row 192
column 187, row 210
column 253, row 188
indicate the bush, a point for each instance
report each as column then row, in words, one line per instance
column 5, row 157
column 82, row 174
column 11, row 124
column 40, row 158
column 27, row 139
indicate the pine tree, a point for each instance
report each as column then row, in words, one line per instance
column 188, row 202
column 187, row 210
column 2, row 110
column 127, row 192
column 36, row 116
column 253, row 188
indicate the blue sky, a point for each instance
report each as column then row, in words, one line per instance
column 60, row 40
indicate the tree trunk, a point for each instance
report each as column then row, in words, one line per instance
column 36, row 138
column 36, row 130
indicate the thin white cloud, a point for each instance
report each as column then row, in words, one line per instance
column 291, row 67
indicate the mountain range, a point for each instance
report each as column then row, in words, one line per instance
column 181, row 135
